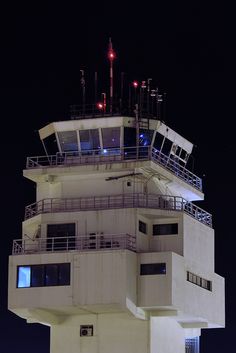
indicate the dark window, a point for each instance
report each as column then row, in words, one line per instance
column 37, row 276
column 158, row 141
column 51, row 275
column 50, row 144
column 142, row 227
column 64, row 274
column 43, row 275
column 166, row 148
column 153, row 269
column 165, row 229
column 199, row 281
column 57, row 236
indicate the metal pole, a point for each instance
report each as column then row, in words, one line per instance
column 82, row 81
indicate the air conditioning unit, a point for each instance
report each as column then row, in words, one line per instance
column 86, row 330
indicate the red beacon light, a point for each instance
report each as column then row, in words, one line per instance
column 100, row 106
column 111, row 55
column 135, row 84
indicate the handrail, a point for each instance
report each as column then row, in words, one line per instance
column 74, row 243
column 114, row 155
column 166, row 202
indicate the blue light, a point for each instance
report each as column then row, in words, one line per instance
column 141, row 135
column 23, row 280
column 104, row 151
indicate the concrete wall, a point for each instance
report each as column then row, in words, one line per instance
column 198, row 246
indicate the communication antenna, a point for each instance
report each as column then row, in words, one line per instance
column 82, row 81
column 111, row 57
column 148, row 94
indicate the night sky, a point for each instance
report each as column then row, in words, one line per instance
column 187, row 48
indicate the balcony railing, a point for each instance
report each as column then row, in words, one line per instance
column 164, row 202
column 74, row 243
column 114, row 155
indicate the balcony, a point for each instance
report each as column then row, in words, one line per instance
column 74, row 243
column 136, row 200
column 116, row 155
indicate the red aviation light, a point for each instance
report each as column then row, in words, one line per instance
column 135, row 84
column 111, row 55
column 100, row 106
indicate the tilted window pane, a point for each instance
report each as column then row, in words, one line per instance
column 111, row 137
column 89, row 139
column 68, row 141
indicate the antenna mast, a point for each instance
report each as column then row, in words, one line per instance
column 111, row 57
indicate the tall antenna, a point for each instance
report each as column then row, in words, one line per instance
column 82, row 81
column 111, row 57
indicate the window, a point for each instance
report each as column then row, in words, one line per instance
column 43, row 275
column 89, row 139
column 111, row 137
column 68, row 141
column 153, row 269
column 142, row 227
column 199, row 281
column 60, row 236
column 165, row 229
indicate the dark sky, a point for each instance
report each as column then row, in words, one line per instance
column 187, row 48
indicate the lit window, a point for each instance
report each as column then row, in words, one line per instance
column 153, row 269
column 68, row 141
column 43, row 275
column 23, row 276
column 192, row 345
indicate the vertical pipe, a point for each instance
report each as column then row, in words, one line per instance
column 95, row 89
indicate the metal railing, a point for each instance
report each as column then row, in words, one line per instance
column 165, row 202
column 74, row 243
column 114, row 155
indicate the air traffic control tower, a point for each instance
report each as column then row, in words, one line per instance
column 114, row 254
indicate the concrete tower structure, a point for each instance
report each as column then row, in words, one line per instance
column 114, row 255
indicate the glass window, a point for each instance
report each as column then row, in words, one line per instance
column 166, row 148
column 50, row 144
column 37, row 276
column 158, row 141
column 64, row 274
column 89, row 139
column 57, row 236
column 68, row 141
column 145, row 137
column 192, row 345
column 153, row 269
column 142, row 227
column 43, row 275
column 51, row 275
column 23, row 276
column 165, row 229
column 111, row 137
